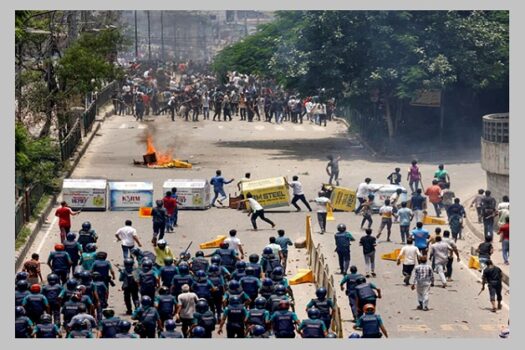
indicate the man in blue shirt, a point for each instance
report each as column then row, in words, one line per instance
column 284, row 242
column 418, row 203
column 421, row 237
column 405, row 216
column 218, row 183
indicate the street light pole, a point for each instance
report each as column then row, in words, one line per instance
column 136, row 39
column 149, row 38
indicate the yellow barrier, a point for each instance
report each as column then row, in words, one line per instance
column 145, row 212
column 215, row 243
column 392, row 255
column 308, row 233
column 329, row 213
column 303, row 276
column 473, row 263
column 432, row 220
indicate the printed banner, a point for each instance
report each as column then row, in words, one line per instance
column 270, row 193
column 124, row 200
column 343, row 199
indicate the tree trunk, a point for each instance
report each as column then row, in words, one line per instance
column 389, row 120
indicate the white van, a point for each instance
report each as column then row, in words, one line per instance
column 384, row 192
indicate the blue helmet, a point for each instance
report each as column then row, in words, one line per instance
column 53, row 279
column 22, row 275
column 91, row 247
column 170, row 325
column 234, row 285
column 280, row 289
column 168, row 261
column 86, row 226
column 213, row 268
column 71, row 236
column 253, row 258
column 258, row 330
column 72, row 284
column 202, row 306
column 278, row 272
column 77, row 272
column 267, row 251
column 147, row 265
column 250, row 271
column 198, row 332
column 321, row 292
column 124, row 326
column 234, row 300
column 267, row 282
column 354, row 335
column 200, row 274
column 145, row 301
column 22, row 285
column 128, row 262
column 314, row 313
column 216, row 259
column 240, row 265
column 20, row 311
column 184, row 268
column 260, row 302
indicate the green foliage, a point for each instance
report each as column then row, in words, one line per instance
column 36, row 160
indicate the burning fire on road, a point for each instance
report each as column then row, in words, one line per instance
column 156, row 159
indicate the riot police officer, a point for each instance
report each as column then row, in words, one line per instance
column 73, row 248
column 52, row 292
column 123, row 330
column 165, row 304
column 259, row 315
column 284, row 322
column 313, row 327
column 199, row 262
column 35, row 303
column 250, row 284
column 253, row 262
column 352, row 280
column 87, row 235
column 269, row 261
column 324, row 305
column 108, row 327
column 204, row 317
column 235, row 314
column 148, row 281
column 46, row 329
column 23, row 324
column 342, row 247
column 202, row 286
column 370, row 323
column 180, row 279
column 148, row 318
column 215, row 276
column 21, row 291
column 130, row 287
column 167, row 272
column 60, row 262
column 170, row 332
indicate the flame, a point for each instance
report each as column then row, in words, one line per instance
column 162, row 157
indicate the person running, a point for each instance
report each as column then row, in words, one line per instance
column 352, row 280
column 405, row 216
column 414, row 177
column 421, row 237
column 454, row 250
column 418, row 204
column 492, row 276
column 332, row 169
column 218, row 183
column 169, row 204
column 369, row 244
column 283, row 242
column 159, row 217
column 246, row 178
column 363, row 190
column 387, row 212
column 298, row 193
column 342, row 247
column 424, row 278
column 409, row 253
column 484, row 251
column 64, row 219
column 456, row 214
column 489, row 212
column 477, row 203
column 439, row 253
column 434, row 194
column 504, row 231
column 128, row 236
column 441, row 175
column 257, row 211
column 366, row 211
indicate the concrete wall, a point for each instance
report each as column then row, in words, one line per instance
column 495, row 157
column 498, row 185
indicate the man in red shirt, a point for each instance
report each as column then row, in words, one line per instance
column 170, row 204
column 64, row 223
column 504, row 231
column 434, row 196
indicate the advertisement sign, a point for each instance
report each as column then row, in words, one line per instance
column 130, row 195
column 343, row 198
column 427, row 98
column 192, row 193
column 85, row 194
column 270, row 193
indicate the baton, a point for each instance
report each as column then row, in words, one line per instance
column 188, row 247
column 481, row 291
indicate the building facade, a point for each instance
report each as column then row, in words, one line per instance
column 495, row 153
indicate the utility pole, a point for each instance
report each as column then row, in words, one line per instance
column 136, row 39
column 162, row 35
column 149, row 38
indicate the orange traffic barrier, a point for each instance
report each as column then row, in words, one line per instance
column 303, row 276
column 473, row 263
column 433, row 220
column 215, row 243
column 329, row 213
column 145, row 212
column 392, row 255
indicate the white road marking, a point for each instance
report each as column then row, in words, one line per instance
column 45, row 235
column 123, row 126
column 279, row 128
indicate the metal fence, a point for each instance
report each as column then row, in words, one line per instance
column 105, row 95
column 25, row 206
column 70, row 142
column 322, row 276
column 88, row 117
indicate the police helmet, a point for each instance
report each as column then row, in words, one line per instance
column 147, row 264
column 277, row 271
column 341, row 227
column 71, row 236
column 253, row 258
column 200, row 274
column 216, row 259
column 267, row 251
column 101, row 255
column 128, row 262
column 170, row 325
column 161, row 243
column 91, row 247
column 185, row 256
column 234, row 285
column 284, row 305
column 184, row 268
column 52, row 278
column 108, row 312
column 72, row 284
column 86, row 226
column 267, row 282
column 213, row 268
column 168, row 261
column 164, row 290
column 124, row 326
column 20, row 311
column 77, row 272
column 77, row 325
column 314, row 313
column 250, row 271
column 199, row 253
column 234, row 300
column 59, row 247
column 22, row 285
column 85, row 276
column 321, row 292
column 145, row 301
column 258, row 330
column 360, row 280
column 198, row 332
column 240, row 265
column 354, row 335
column 260, row 302
column 202, row 306
column 22, row 275
column 45, row 318
column 135, row 251
column 280, row 289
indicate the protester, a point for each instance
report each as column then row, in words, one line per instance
column 64, row 215
column 128, row 236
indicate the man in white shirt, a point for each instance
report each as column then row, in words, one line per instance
column 298, row 193
column 257, row 211
column 440, row 252
column 276, row 248
column 128, row 236
column 410, row 252
column 322, row 205
column 186, row 308
column 363, row 190
column 235, row 243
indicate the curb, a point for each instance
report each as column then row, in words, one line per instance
column 481, row 236
column 361, row 140
column 35, row 227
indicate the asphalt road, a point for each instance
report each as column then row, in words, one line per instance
column 269, row 150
